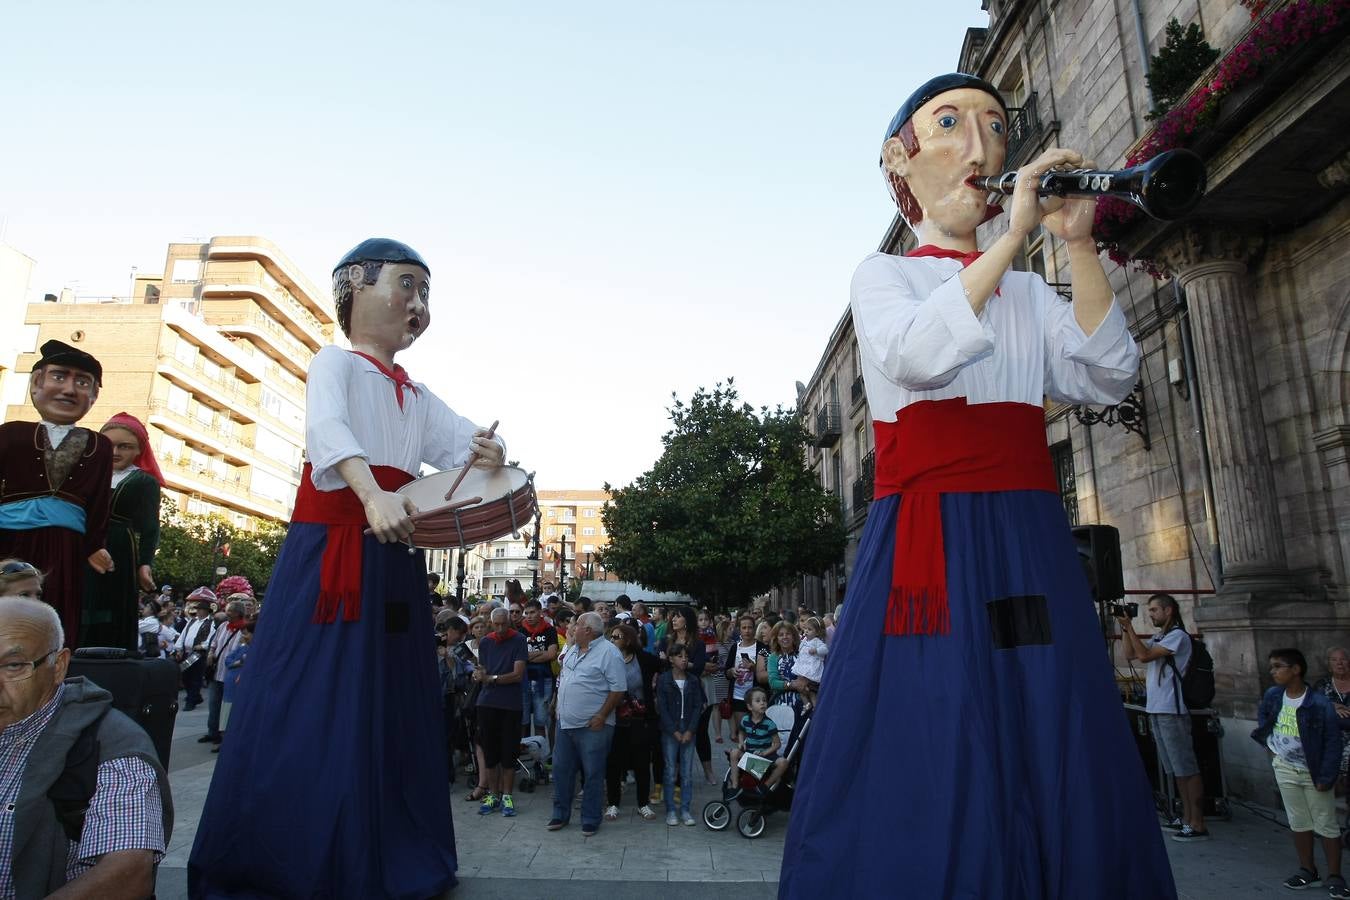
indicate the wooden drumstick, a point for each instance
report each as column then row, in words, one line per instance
column 472, row 456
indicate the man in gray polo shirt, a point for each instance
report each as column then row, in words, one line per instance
column 591, row 683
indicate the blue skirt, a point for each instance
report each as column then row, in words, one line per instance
column 943, row 766
column 333, row 781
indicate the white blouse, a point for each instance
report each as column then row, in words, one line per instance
column 920, row 340
column 351, row 410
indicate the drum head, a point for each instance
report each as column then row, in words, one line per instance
column 428, row 492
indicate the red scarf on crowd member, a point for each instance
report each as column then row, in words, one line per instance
column 146, row 461
column 937, row 447
column 398, row 374
column 235, row 626
column 500, row 637
column 342, row 512
column 946, row 253
column 535, row 632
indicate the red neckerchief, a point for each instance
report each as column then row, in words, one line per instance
column 534, row 632
column 235, row 626
column 398, row 374
column 945, row 253
column 505, row 637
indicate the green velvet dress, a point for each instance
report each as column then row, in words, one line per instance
column 111, row 601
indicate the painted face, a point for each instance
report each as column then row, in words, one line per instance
column 960, row 133
column 125, row 447
column 393, row 312
column 62, row 396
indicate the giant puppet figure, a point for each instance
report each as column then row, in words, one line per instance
column 969, row 740
column 332, row 778
column 55, row 481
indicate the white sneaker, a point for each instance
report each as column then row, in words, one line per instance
column 646, row 812
column 611, row 813
column 689, row 819
column 671, row 819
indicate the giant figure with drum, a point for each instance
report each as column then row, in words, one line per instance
column 968, row 740
column 332, row 781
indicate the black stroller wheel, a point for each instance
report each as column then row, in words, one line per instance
column 717, row 815
column 750, row 823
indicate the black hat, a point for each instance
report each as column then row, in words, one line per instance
column 59, row 353
column 384, row 250
column 939, row 85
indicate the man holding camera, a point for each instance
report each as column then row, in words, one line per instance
column 1168, row 654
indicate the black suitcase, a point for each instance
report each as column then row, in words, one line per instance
column 144, row 689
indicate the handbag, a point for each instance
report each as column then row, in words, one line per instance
column 724, row 709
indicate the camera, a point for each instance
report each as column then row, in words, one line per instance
column 1123, row 610
column 463, row 653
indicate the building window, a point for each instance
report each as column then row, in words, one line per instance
column 552, row 531
column 589, row 513
column 179, row 400
column 185, row 352
column 1061, row 457
column 588, row 532
column 589, row 548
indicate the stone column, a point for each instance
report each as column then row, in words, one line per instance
column 1211, row 265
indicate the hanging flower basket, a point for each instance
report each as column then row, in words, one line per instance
column 1279, row 39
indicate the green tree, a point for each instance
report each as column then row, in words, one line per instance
column 1183, row 56
column 192, row 546
column 729, row 510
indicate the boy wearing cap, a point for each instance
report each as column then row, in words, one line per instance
column 348, row 652
column 969, row 741
column 56, row 481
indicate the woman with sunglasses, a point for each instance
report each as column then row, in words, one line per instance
column 20, row 579
column 133, row 537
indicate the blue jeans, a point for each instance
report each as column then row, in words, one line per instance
column 674, row 753
column 215, row 696
column 585, row 750
column 538, row 692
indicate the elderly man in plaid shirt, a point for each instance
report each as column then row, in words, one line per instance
column 112, row 852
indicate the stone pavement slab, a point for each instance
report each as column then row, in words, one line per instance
column 645, row 860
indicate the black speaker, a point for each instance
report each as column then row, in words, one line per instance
column 1099, row 550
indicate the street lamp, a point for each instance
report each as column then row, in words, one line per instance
column 534, row 554
column 459, row 577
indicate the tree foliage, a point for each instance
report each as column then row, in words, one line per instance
column 192, row 546
column 1183, row 56
column 729, row 510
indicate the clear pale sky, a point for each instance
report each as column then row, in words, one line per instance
column 659, row 198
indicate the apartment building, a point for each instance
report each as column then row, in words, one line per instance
column 211, row 355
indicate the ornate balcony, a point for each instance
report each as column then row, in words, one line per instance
column 829, row 427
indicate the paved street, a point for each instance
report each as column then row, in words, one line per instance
column 519, row 859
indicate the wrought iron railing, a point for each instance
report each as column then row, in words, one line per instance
column 829, row 425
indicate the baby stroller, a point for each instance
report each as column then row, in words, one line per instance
column 534, row 753
column 746, row 789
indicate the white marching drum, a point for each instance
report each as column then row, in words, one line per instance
column 505, row 503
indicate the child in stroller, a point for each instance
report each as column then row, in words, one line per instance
column 759, row 791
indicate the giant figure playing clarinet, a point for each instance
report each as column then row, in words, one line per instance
column 968, row 740
column 332, row 777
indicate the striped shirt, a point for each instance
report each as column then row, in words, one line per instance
column 125, row 812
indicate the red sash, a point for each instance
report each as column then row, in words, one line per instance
column 948, row 446
column 340, row 572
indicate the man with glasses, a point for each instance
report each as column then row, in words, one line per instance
column 1167, row 712
column 591, row 683
column 106, row 821
column 56, row 481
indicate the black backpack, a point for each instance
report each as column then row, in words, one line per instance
column 1197, row 685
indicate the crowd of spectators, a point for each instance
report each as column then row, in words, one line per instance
column 622, row 697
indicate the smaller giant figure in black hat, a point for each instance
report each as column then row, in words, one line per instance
column 968, row 739
column 332, row 781
column 55, row 481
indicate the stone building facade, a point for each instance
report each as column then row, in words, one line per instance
column 1231, row 486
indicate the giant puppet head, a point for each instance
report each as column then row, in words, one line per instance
column 954, row 126
column 65, row 383
column 381, row 289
